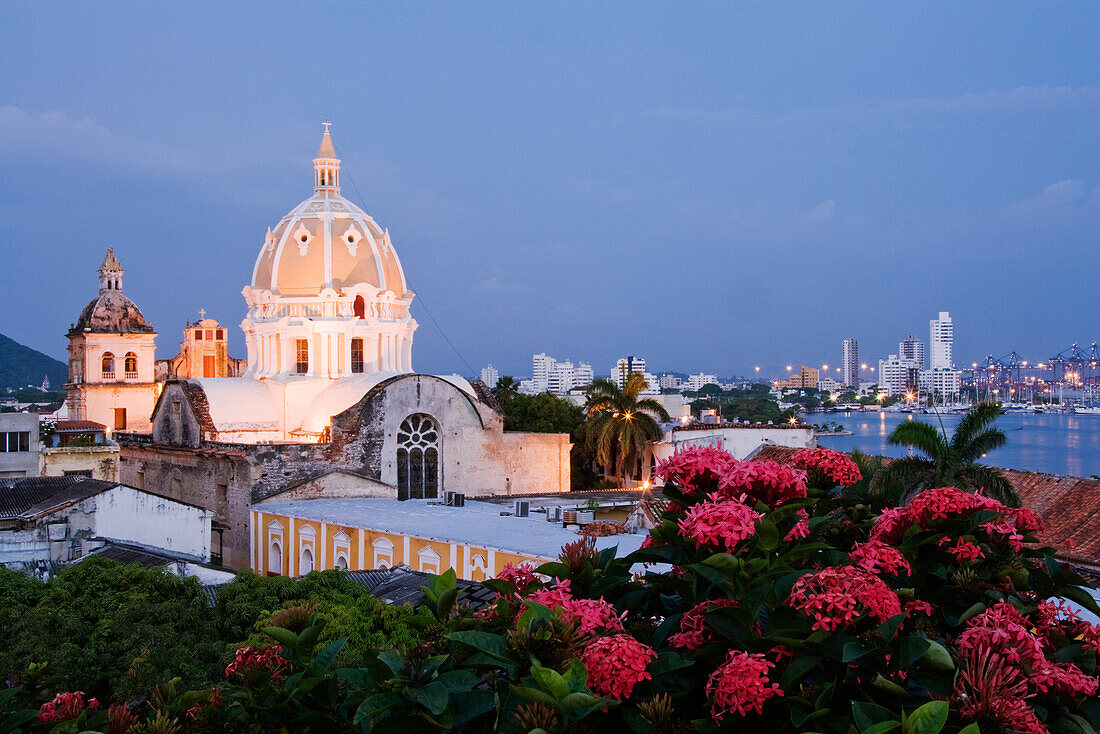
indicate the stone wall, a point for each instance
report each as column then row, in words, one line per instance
column 101, row 461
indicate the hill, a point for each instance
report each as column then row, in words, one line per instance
column 21, row 366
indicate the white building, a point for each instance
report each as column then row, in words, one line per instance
column 912, row 349
column 898, row 376
column 541, row 367
column 583, row 375
column 560, row 380
column 625, row 367
column 850, row 362
column 670, row 382
column 941, row 384
column 829, row 385
column 941, row 339
column 490, row 375
column 696, row 382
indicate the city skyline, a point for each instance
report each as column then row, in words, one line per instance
column 830, row 185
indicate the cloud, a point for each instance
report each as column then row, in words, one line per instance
column 1024, row 99
column 62, row 135
column 497, row 284
column 823, row 212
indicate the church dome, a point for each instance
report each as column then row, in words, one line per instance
column 327, row 242
column 111, row 312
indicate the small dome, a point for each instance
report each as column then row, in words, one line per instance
column 111, row 313
column 327, row 242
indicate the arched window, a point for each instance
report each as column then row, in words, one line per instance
column 108, row 366
column 383, row 553
column 342, row 562
column 275, row 559
column 360, row 307
column 130, row 365
column 306, row 563
column 418, row 458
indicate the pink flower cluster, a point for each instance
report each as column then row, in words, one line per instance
column 65, row 706
column 694, row 630
column 616, row 664
column 591, row 615
column 741, row 685
column 696, row 468
column 840, row 595
column 878, row 558
column 518, row 576
column 801, row 528
column 1002, row 634
column 963, row 550
column 945, row 502
column 265, row 659
column 764, row 481
column 836, row 465
column 719, row 522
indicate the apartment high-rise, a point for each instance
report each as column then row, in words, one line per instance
column 583, row 375
column 850, row 363
column 941, row 340
column 912, row 349
column 898, row 376
column 624, row 367
column 490, row 375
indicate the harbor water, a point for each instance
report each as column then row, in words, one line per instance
column 1055, row 443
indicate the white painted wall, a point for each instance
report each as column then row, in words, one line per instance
column 131, row 516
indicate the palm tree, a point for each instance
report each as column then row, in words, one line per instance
column 620, row 424
column 948, row 463
column 505, row 389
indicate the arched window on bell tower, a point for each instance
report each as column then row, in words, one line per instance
column 326, row 166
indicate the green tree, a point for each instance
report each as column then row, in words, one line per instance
column 948, row 462
column 505, row 389
column 621, row 423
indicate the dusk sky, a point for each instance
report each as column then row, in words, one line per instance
column 709, row 186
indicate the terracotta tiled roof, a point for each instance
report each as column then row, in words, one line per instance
column 1070, row 506
column 200, row 406
column 80, row 426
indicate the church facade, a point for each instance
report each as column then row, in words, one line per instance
column 329, row 391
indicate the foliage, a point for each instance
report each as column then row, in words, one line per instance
column 947, row 462
column 506, row 388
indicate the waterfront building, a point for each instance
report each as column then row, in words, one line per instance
column 806, row 377
column 490, row 376
column 898, row 376
column 941, row 384
column 941, row 339
column 829, row 385
column 912, row 349
column 850, row 362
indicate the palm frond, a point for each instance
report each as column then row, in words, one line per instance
column 654, row 407
column 991, row 482
column 921, row 436
column 981, row 444
column 973, row 422
column 903, row 477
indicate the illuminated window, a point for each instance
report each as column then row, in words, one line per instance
column 107, row 366
column 130, row 366
column 301, row 366
column 357, row 355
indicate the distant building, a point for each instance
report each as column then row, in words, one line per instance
column 30, row 448
column 625, row 367
column 941, row 340
column 19, row 445
column 850, row 362
column 696, row 383
column 670, row 382
column 111, row 352
column 583, row 375
column 911, row 349
column 829, row 385
column 941, row 384
column 541, row 366
column 490, row 375
column 45, row 383
column 805, row 378
column 898, row 376
column 204, row 352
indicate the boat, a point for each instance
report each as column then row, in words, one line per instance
column 1086, row 410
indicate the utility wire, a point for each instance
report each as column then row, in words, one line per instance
column 419, row 298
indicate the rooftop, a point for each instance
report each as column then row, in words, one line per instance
column 477, row 523
column 24, row 499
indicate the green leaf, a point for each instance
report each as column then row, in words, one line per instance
column 446, row 603
column 889, row 686
column 376, row 704
column 550, row 681
column 911, row 649
column 971, row 729
column 767, row 535
column 928, row 719
column 868, row 714
column 16, row 720
column 432, row 696
column 797, row 670
column 394, row 660
column 467, row 705
column 555, row 569
column 576, row 677
column 725, row 563
column 882, row 727
column 974, row 610
column 937, row 657
column 1082, row 597
column 308, row 639
column 284, row 637
column 495, row 646
column 854, row 651
column 890, row 627
column 667, row 662
column 457, row 680
column 574, row 701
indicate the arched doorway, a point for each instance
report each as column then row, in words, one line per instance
column 418, row 458
column 360, row 307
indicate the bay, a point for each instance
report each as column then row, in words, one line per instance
column 1050, row 443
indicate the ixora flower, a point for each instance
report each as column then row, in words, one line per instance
column 696, row 468
column 741, row 685
column 963, row 550
column 878, row 558
column 836, row 465
column 719, row 522
column 944, row 502
column 65, row 706
column 694, row 630
column 518, row 576
column 552, row 596
column 616, row 664
column 837, row 596
column 764, row 481
column 591, row 615
column 266, row 660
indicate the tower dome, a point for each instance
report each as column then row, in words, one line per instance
column 327, row 242
column 111, row 312
column 328, row 296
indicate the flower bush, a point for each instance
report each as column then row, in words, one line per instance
column 769, row 598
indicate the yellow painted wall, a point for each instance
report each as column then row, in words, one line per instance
column 279, row 542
